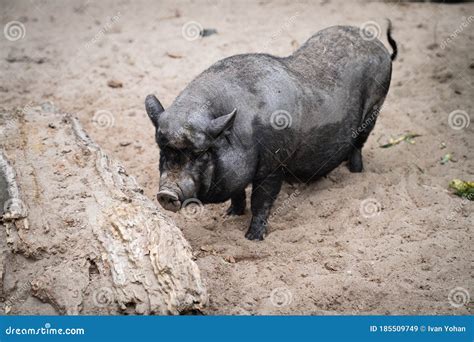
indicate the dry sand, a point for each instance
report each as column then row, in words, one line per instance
column 323, row 255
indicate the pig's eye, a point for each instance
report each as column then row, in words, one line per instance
column 171, row 163
column 202, row 154
column 173, row 159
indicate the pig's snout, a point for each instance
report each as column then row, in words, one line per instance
column 169, row 200
column 171, row 195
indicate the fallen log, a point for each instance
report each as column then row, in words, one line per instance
column 77, row 235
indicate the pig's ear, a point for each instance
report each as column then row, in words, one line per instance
column 153, row 108
column 219, row 125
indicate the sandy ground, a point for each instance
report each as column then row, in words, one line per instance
column 391, row 240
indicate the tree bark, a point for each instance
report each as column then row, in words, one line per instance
column 77, row 235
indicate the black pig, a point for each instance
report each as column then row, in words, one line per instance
column 261, row 119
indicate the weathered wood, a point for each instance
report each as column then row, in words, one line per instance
column 80, row 235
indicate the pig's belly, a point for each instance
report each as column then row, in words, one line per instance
column 312, row 165
column 319, row 152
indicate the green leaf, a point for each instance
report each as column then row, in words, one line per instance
column 408, row 137
column 463, row 189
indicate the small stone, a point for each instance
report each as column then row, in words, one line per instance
column 206, row 248
column 114, row 84
column 230, row 259
column 331, row 266
column 173, row 55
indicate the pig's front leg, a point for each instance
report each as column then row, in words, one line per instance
column 237, row 204
column 264, row 193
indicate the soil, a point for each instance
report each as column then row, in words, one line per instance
column 390, row 240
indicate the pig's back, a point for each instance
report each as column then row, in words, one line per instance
column 338, row 69
column 342, row 76
column 337, row 53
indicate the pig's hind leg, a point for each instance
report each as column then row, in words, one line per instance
column 237, row 204
column 355, row 160
column 355, row 163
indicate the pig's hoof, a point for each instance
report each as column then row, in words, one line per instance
column 355, row 168
column 355, row 162
column 253, row 234
column 235, row 211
